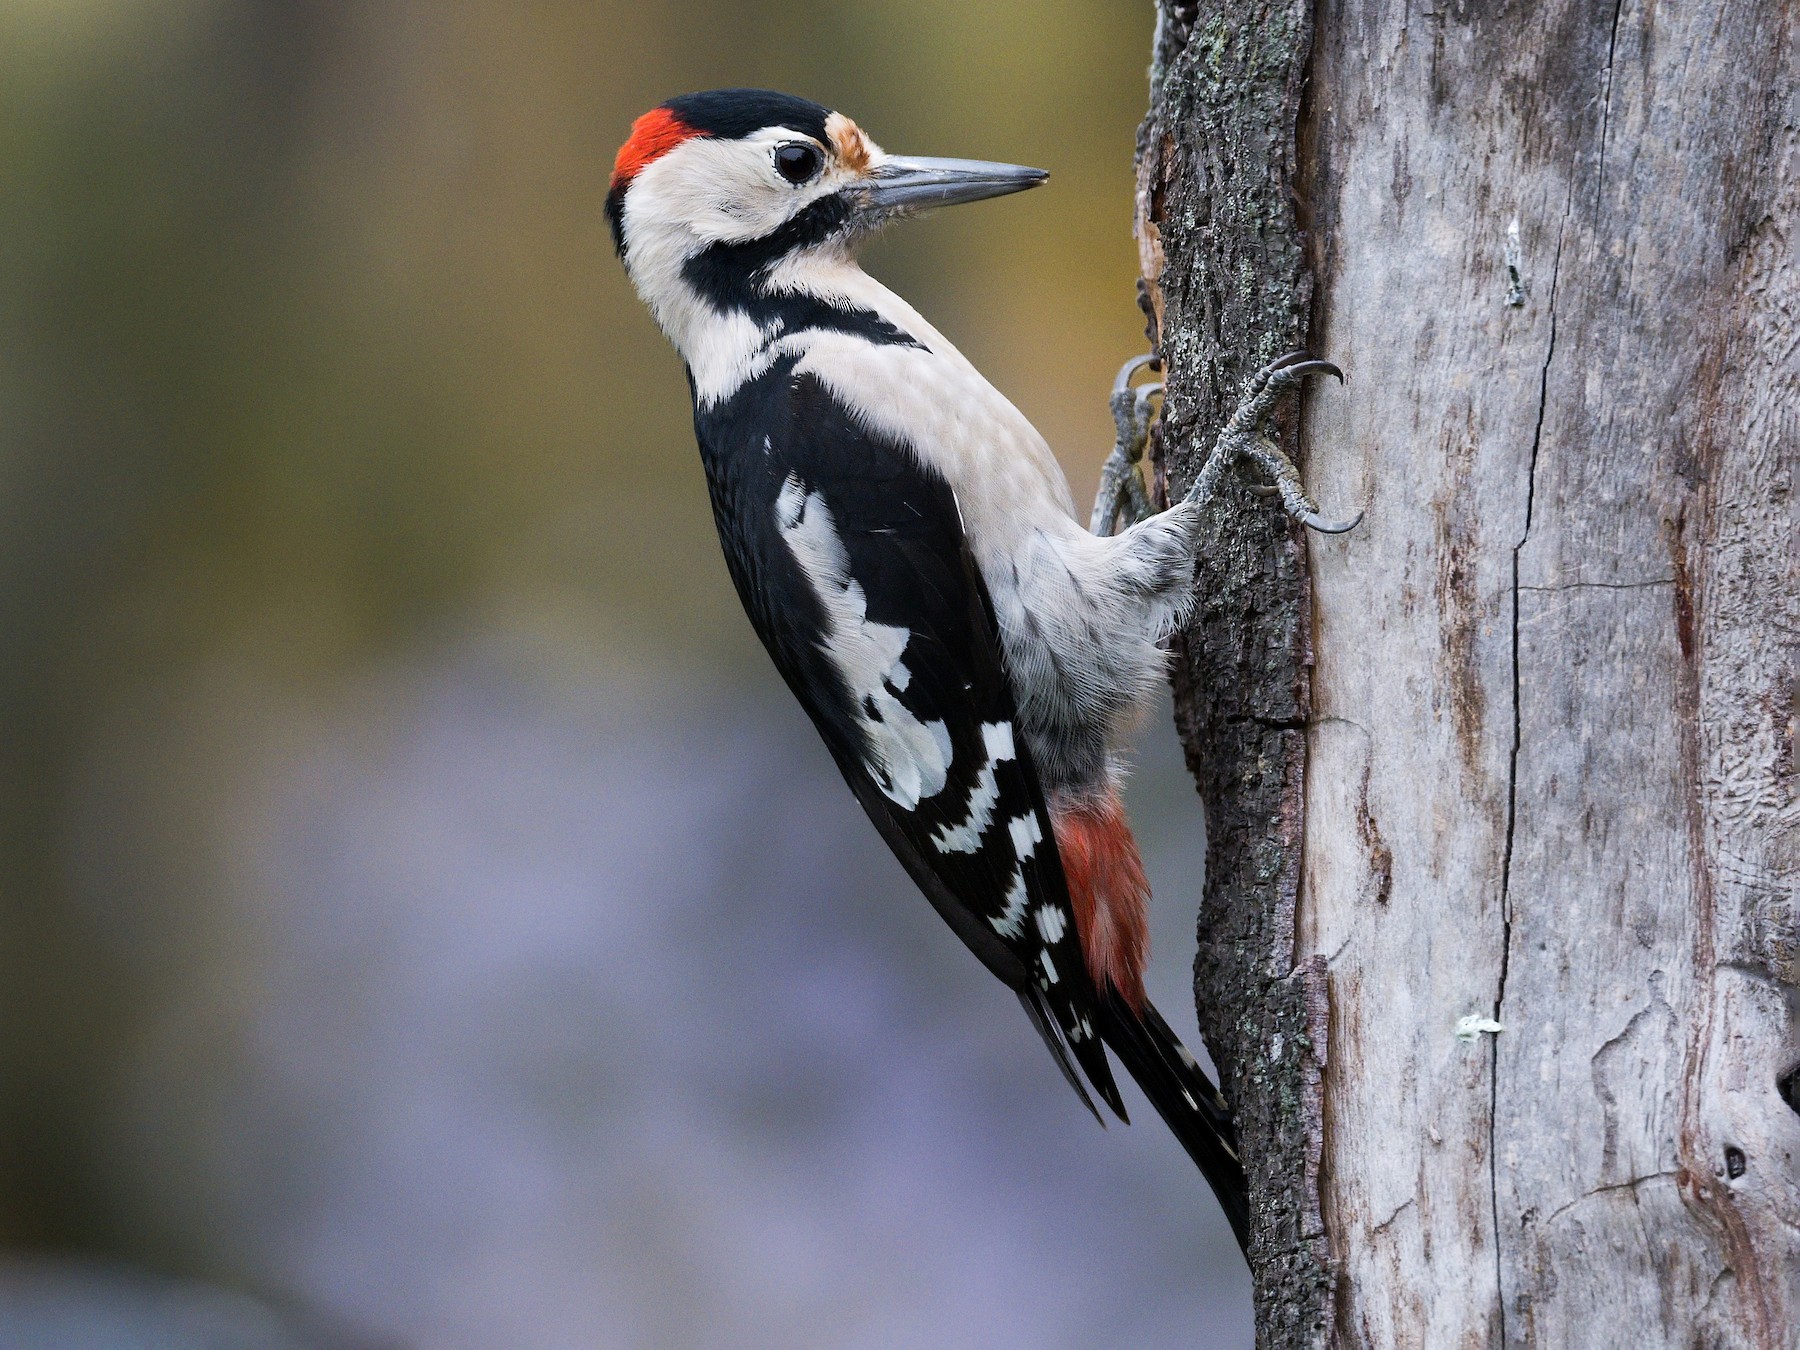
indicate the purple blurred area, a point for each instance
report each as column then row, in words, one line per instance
column 425, row 920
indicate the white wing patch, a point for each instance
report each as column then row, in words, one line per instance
column 911, row 759
column 966, row 837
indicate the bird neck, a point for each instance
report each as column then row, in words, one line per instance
column 731, row 313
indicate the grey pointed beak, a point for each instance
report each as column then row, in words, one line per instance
column 920, row 184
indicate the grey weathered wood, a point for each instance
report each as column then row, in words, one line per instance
column 1548, row 765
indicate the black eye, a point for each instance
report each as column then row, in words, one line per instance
column 797, row 163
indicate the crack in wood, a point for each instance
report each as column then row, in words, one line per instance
column 1512, row 774
column 1611, row 1187
column 1598, row 586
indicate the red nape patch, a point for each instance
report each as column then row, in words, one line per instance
column 1110, row 893
column 653, row 135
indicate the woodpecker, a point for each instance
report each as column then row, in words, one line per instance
column 906, row 546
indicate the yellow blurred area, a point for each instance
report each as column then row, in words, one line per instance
column 328, row 290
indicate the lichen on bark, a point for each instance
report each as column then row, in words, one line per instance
column 1229, row 289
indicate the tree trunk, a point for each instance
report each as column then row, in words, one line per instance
column 1517, row 758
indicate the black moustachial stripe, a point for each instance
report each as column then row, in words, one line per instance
column 734, row 278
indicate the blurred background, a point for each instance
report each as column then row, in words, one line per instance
column 425, row 919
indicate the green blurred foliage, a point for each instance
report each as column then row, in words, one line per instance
column 313, row 348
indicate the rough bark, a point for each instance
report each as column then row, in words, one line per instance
column 1543, row 773
column 1229, row 290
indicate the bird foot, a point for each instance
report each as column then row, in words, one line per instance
column 1122, row 495
column 1245, row 437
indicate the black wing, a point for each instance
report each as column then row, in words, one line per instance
column 850, row 559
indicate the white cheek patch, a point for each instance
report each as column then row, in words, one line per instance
column 728, row 191
column 910, row 759
column 997, row 738
column 725, row 191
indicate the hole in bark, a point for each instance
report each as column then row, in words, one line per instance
column 1734, row 1162
column 1788, row 1085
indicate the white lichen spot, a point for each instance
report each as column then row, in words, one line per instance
column 1473, row 1027
column 1515, row 265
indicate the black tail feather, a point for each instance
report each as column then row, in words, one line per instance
column 1185, row 1098
column 1046, row 1028
column 1077, row 1050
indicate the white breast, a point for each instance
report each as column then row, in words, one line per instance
column 1007, row 482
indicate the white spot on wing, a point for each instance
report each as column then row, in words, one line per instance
column 1049, row 966
column 1050, row 923
column 910, row 759
column 1026, row 834
column 966, row 837
column 1011, row 922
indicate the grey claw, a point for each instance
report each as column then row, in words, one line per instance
column 1287, row 359
column 1299, row 370
column 1314, row 521
column 1123, row 380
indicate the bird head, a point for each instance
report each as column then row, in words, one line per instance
column 734, row 187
